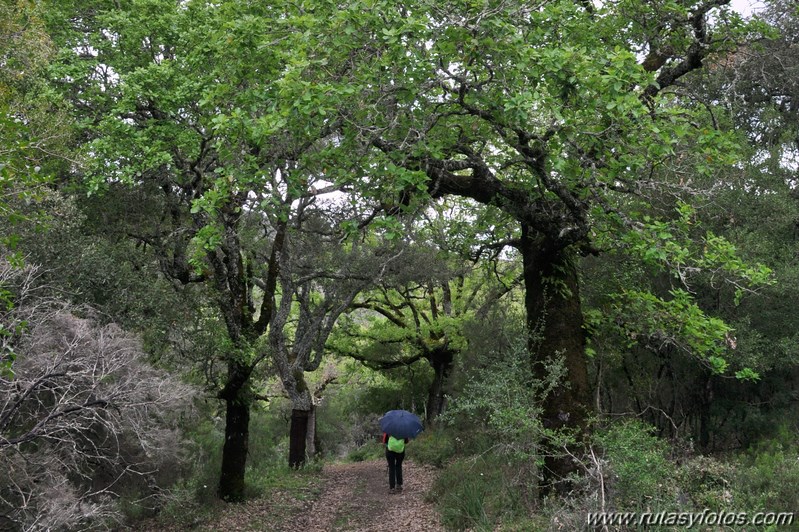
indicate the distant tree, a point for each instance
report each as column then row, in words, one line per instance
column 320, row 275
column 445, row 281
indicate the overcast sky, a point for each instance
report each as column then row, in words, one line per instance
column 746, row 7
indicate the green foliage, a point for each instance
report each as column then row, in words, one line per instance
column 343, row 429
column 643, row 473
column 435, row 447
column 706, row 482
column 8, row 328
column 277, row 488
column 32, row 130
column 480, row 492
column 765, row 478
column 678, row 321
column 675, row 245
column 371, row 450
column 194, row 497
column 640, row 472
column 213, row 100
column 491, row 444
column 268, row 443
column 761, row 479
column 402, row 388
column 199, row 489
column 28, row 135
column 347, row 418
column 500, row 397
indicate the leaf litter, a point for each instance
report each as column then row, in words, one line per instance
column 356, row 498
column 349, row 497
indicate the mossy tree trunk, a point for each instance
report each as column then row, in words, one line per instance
column 556, row 336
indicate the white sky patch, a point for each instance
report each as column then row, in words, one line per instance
column 790, row 159
column 747, row 7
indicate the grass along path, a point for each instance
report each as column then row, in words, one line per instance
column 344, row 497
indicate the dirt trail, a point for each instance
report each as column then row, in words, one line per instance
column 355, row 497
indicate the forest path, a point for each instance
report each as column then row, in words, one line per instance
column 355, row 497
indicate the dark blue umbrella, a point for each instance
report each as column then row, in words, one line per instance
column 401, row 424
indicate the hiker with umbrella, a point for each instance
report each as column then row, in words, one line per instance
column 399, row 427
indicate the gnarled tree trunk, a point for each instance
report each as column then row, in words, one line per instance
column 441, row 360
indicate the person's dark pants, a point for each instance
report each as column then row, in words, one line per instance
column 394, row 468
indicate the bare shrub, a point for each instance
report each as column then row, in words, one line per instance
column 83, row 417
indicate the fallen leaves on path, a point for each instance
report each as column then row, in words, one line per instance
column 355, row 497
column 349, row 497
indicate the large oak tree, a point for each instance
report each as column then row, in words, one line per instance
column 564, row 115
column 219, row 145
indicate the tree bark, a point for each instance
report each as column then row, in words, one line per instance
column 297, row 437
column 237, row 431
column 555, row 330
column 234, row 452
column 311, row 437
column 441, row 361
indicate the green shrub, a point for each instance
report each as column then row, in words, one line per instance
column 269, row 437
column 369, row 451
column 481, row 492
column 767, row 478
column 639, row 476
column 347, row 418
column 194, row 500
column 207, row 441
column 500, row 405
column 435, row 447
column 762, row 479
column 195, row 496
column 493, row 443
column 705, row 482
column 191, row 501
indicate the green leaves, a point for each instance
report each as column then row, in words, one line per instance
column 695, row 260
column 722, row 257
column 501, row 399
column 676, row 321
column 678, row 247
column 214, row 198
column 236, row 107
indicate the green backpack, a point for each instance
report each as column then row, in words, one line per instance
column 396, row 445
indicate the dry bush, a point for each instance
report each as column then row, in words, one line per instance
column 83, row 417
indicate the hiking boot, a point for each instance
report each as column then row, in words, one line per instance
column 392, row 490
column 399, row 489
